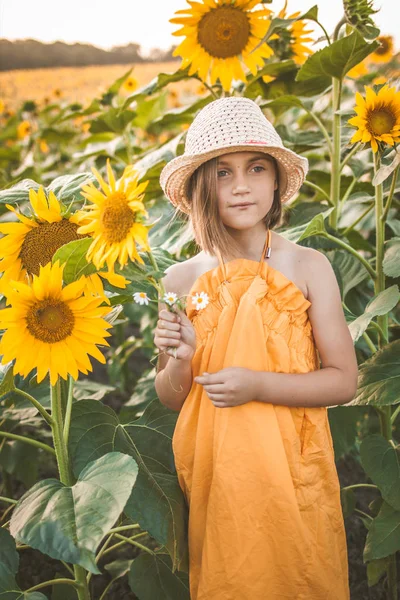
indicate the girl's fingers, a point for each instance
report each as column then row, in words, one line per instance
column 167, row 342
column 169, row 333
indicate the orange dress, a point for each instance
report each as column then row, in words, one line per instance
column 265, row 518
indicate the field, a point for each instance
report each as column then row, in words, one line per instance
column 78, row 84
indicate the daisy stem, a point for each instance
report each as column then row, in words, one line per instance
column 36, row 404
column 160, row 288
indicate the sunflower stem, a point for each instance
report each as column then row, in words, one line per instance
column 318, row 189
column 68, row 409
column 350, row 155
column 336, row 135
column 350, row 227
column 385, row 413
column 65, row 472
column 36, row 404
column 26, row 440
column 390, row 197
column 323, row 129
column 351, row 251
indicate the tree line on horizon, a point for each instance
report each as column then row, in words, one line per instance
column 33, row 54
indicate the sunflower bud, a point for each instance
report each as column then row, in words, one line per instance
column 358, row 15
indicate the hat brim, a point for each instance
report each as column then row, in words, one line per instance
column 176, row 173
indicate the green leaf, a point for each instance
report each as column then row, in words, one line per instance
column 310, row 15
column 86, row 389
column 157, row 502
column 391, row 262
column 68, row 523
column 381, row 463
column 67, row 188
column 151, row 578
column 337, row 59
column 379, row 378
column 115, row 87
column 9, row 556
column 7, row 379
column 381, row 304
column 177, row 116
column 157, row 84
column 349, row 271
column 19, row 192
column 9, row 562
column 114, row 119
column 383, row 538
column 73, row 255
column 375, row 570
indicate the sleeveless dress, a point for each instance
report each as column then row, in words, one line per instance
column 265, row 518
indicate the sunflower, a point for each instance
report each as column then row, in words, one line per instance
column 218, row 35
column 385, row 52
column 51, row 328
column 24, row 129
column 130, row 84
column 113, row 218
column 298, row 37
column 378, row 117
column 32, row 241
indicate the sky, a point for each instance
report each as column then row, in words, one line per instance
column 106, row 23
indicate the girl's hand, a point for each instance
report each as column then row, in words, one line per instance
column 229, row 387
column 171, row 332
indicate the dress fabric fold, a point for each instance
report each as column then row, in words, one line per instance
column 265, row 517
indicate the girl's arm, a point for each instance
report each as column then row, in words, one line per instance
column 336, row 382
column 173, row 383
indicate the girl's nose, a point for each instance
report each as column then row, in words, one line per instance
column 240, row 184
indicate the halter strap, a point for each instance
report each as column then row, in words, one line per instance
column 266, row 253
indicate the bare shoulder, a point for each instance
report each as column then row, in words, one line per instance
column 180, row 276
column 319, row 275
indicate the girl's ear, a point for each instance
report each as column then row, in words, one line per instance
column 275, row 185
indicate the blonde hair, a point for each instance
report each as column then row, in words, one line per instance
column 209, row 231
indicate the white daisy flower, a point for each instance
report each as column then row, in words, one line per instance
column 200, row 300
column 141, row 298
column 170, row 298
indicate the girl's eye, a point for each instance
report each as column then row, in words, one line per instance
column 225, row 171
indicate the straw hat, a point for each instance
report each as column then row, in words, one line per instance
column 230, row 124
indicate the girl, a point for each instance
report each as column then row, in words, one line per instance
column 252, row 444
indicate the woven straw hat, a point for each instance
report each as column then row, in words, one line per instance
column 231, row 124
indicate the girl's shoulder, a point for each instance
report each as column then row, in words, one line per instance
column 291, row 259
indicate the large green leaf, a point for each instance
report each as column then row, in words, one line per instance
column 381, row 304
column 383, row 538
column 9, row 562
column 349, row 271
column 67, row 188
column 73, row 255
column 19, row 192
column 157, row 502
column 337, row 59
column 391, row 262
column 379, row 378
column 151, row 578
column 68, row 523
column 157, row 84
column 381, row 463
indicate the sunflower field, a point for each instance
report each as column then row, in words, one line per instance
column 90, row 505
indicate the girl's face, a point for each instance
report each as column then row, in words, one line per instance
column 245, row 177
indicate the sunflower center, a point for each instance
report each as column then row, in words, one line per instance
column 384, row 46
column 42, row 242
column 224, row 32
column 50, row 321
column 381, row 121
column 117, row 218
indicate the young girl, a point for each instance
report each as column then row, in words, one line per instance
column 252, row 444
